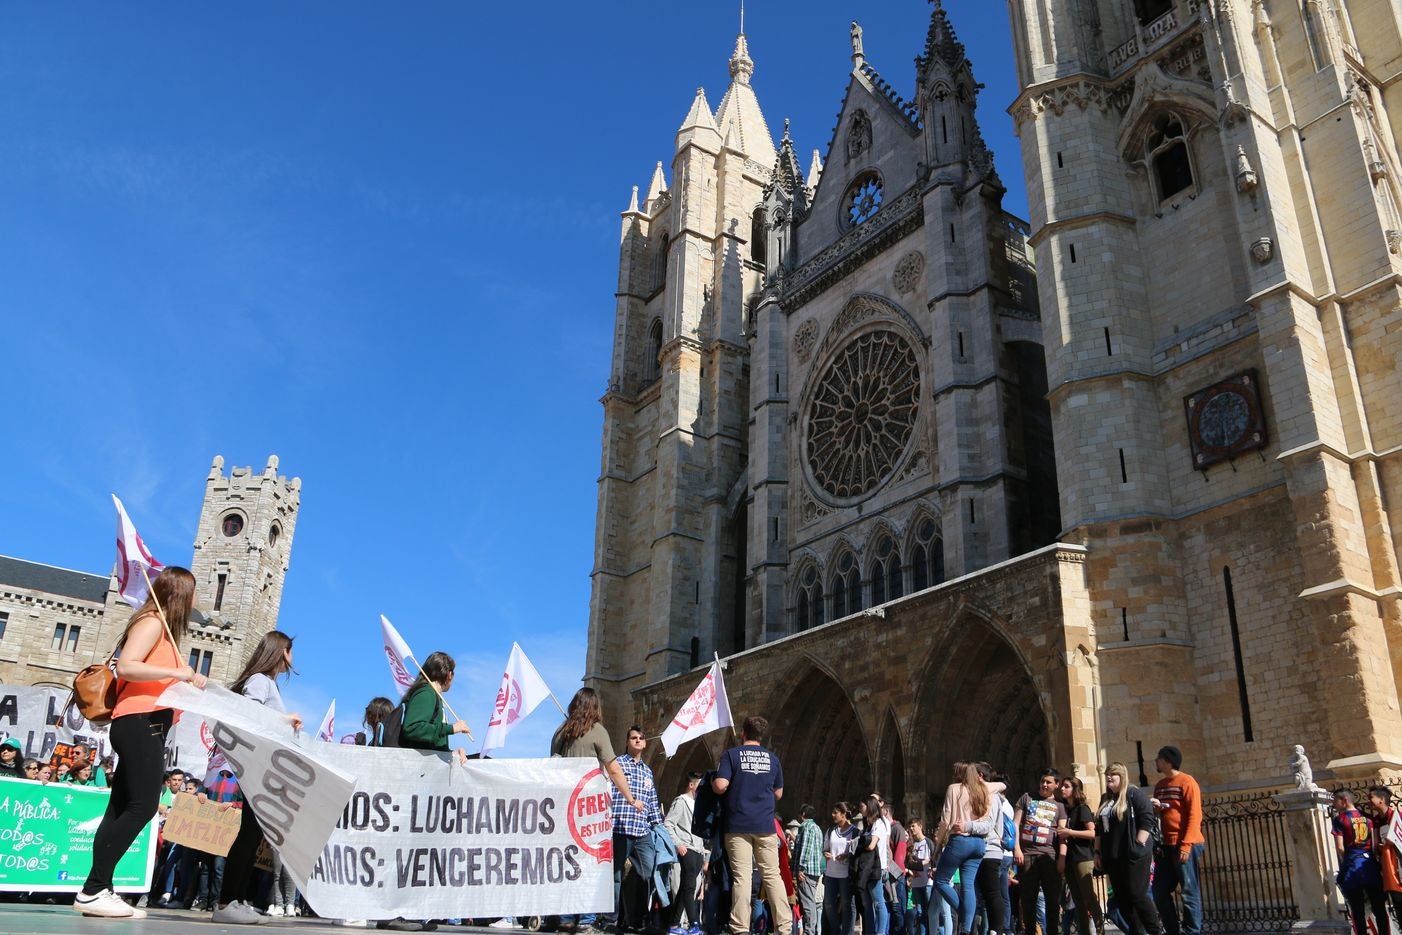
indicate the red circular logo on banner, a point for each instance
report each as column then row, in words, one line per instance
column 591, row 819
column 206, row 736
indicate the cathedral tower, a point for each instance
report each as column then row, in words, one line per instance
column 1213, row 199
column 242, row 547
column 669, row 546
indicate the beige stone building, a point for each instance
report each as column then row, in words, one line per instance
column 931, row 505
column 54, row 621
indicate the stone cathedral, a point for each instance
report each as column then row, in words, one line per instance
column 931, row 500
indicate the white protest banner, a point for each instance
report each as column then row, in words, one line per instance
column 707, row 709
column 189, row 744
column 425, row 837
column 295, row 793
column 32, row 716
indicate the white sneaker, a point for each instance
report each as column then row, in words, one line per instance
column 239, row 913
column 274, row 910
column 105, row 905
column 508, row 923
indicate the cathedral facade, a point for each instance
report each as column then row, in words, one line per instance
column 932, row 501
column 55, row 621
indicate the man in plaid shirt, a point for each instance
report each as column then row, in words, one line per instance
column 632, row 828
column 808, row 866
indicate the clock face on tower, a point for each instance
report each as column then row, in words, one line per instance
column 1225, row 420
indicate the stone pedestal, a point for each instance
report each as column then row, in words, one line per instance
column 1312, row 861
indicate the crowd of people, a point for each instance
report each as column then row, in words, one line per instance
column 720, row 860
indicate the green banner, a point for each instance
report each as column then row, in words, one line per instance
column 46, row 834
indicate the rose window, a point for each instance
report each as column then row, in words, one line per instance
column 863, row 414
column 864, row 200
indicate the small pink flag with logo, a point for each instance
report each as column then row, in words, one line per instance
column 397, row 652
column 521, row 690
column 706, row 710
column 132, row 556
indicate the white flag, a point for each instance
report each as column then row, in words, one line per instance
column 521, row 690
column 327, row 730
column 398, row 653
column 706, row 710
column 131, row 558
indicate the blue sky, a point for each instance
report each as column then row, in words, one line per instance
column 381, row 242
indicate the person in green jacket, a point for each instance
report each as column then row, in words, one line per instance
column 424, row 727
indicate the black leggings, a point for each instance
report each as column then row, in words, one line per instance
column 139, row 741
column 1130, row 881
column 238, row 866
column 691, row 863
column 989, row 884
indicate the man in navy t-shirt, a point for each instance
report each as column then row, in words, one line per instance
column 752, row 781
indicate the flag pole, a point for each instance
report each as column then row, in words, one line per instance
column 160, row 611
column 440, row 696
column 557, row 704
column 734, row 734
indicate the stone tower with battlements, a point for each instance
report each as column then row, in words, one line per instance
column 242, row 547
column 1213, row 190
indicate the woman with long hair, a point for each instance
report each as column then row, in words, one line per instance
column 1123, row 849
column 872, row 868
column 1079, row 836
column 992, row 879
column 583, row 734
column 965, row 821
column 376, row 713
column 148, row 662
column 271, row 658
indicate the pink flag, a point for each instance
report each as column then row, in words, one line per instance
column 132, row 556
column 327, row 730
column 706, row 710
column 521, row 690
column 398, row 653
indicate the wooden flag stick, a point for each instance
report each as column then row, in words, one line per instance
column 446, row 706
column 557, row 704
column 160, row 611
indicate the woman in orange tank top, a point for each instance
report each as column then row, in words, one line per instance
column 148, row 662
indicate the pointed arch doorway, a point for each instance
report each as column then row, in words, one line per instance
column 977, row 701
column 820, row 742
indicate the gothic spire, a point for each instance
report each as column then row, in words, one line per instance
column 941, row 42
column 739, row 116
column 787, row 176
column 699, row 124
column 655, row 190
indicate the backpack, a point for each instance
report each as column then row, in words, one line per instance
column 392, row 726
column 1009, row 838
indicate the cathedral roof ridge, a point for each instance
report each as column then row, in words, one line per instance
column 907, row 109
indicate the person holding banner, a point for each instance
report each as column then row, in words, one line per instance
column 258, row 681
column 149, row 661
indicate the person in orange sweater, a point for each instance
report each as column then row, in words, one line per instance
column 1178, row 863
column 1388, row 824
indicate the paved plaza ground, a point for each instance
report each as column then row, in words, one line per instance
column 26, row 919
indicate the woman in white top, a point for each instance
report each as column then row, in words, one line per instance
column 839, row 908
column 875, row 918
column 258, row 681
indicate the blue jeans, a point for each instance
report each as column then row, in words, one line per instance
column 1171, row 874
column 917, row 917
column 895, row 909
column 945, row 923
column 874, row 918
column 839, row 908
column 964, row 852
column 644, row 856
